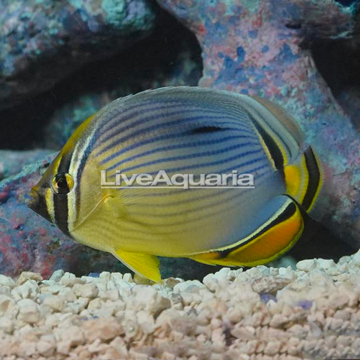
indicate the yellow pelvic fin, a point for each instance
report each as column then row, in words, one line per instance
column 142, row 264
column 267, row 243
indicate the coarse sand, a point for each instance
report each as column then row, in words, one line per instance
column 312, row 312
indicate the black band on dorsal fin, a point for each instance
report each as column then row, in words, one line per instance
column 273, row 148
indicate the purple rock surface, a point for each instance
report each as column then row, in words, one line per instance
column 62, row 36
column 13, row 162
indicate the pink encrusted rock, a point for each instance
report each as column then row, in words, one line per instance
column 259, row 48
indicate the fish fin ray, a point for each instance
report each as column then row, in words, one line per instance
column 145, row 265
column 115, row 206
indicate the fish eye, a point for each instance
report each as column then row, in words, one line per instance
column 62, row 183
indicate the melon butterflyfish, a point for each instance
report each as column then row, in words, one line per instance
column 184, row 130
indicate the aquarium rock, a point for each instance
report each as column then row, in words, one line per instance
column 175, row 60
column 262, row 48
column 13, row 162
column 262, row 313
column 43, row 41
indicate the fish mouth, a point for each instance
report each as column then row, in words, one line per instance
column 36, row 203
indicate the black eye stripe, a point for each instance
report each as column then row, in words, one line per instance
column 60, row 199
column 61, row 180
column 61, row 212
column 62, row 184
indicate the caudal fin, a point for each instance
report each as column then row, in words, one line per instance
column 304, row 179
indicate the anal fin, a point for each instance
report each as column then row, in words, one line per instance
column 276, row 236
column 144, row 265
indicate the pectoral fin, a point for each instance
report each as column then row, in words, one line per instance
column 114, row 206
column 143, row 264
column 276, row 236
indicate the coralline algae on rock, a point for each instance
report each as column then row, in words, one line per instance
column 13, row 162
column 263, row 313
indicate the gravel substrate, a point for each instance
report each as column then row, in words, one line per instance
column 263, row 313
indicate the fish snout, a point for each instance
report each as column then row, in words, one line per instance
column 33, row 200
column 36, row 202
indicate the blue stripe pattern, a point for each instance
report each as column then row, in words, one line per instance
column 148, row 106
column 160, row 126
column 193, row 156
column 164, row 131
column 141, row 108
column 178, row 147
column 212, row 163
column 158, row 138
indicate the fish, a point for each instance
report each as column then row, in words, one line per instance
column 184, row 131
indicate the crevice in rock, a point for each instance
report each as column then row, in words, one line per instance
column 339, row 63
column 171, row 55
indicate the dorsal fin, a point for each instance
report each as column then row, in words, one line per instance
column 284, row 117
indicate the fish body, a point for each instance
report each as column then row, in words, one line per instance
column 190, row 131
